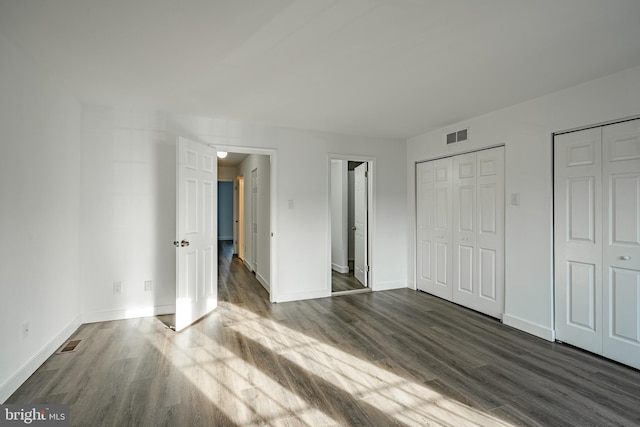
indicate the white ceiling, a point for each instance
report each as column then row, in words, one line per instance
column 388, row 68
column 232, row 160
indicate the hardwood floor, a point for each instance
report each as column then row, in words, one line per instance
column 341, row 282
column 375, row 359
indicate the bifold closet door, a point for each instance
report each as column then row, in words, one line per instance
column 465, row 259
column 460, row 237
column 434, row 206
column 621, row 243
column 478, row 231
column 490, row 235
column 597, row 240
column 578, row 238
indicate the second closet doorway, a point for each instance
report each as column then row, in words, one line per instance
column 460, row 229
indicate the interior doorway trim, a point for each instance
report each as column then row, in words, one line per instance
column 273, row 211
column 371, row 219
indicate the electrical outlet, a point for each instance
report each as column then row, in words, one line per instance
column 26, row 328
column 148, row 286
column 117, row 287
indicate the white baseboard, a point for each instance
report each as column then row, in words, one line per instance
column 21, row 375
column 386, row 286
column 340, row 268
column 128, row 313
column 247, row 265
column 412, row 285
column 298, row 296
column 529, row 327
column 263, row 282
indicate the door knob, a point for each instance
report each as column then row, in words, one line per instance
column 176, row 243
column 353, row 228
column 625, row 257
column 184, row 243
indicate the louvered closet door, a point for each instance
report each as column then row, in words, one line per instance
column 621, row 261
column 578, row 238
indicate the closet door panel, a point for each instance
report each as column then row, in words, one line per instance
column 621, row 258
column 465, row 274
column 424, row 220
column 460, row 236
column 490, row 232
column 434, row 204
column 578, row 238
column 443, row 265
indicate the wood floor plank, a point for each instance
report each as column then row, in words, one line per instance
column 399, row 357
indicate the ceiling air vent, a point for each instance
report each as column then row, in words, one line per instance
column 458, row 136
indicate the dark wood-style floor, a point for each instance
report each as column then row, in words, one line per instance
column 341, row 282
column 375, row 359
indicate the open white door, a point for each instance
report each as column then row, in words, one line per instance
column 196, row 243
column 360, row 244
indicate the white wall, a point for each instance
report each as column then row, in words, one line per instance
column 128, row 213
column 526, row 130
column 225, row 210
column 263, row 251
column 304, row 231
column 39, row 211
column 226, row 173
column 128, row 206
column 339, row 241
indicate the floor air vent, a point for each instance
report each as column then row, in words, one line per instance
column 70, row 346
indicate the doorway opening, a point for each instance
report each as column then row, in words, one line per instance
column 197, row 210
column 250, row 172
column 350, row 200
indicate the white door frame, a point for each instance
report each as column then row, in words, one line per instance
column 371, row 203
column 273, row 210
column 253, row 198
column 240, row 183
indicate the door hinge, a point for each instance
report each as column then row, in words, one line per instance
column 366, row 174
column 368, row 268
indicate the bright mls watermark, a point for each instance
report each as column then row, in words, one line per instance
column 34, row 415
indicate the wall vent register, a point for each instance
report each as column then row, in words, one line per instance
column 458, row 136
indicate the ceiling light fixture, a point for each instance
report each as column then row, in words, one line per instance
column 222, row 154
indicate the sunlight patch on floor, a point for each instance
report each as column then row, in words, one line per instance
column 406, row 401
column 244, row 393
column 255, row 395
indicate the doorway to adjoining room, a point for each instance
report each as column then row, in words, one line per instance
column 349, row 202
